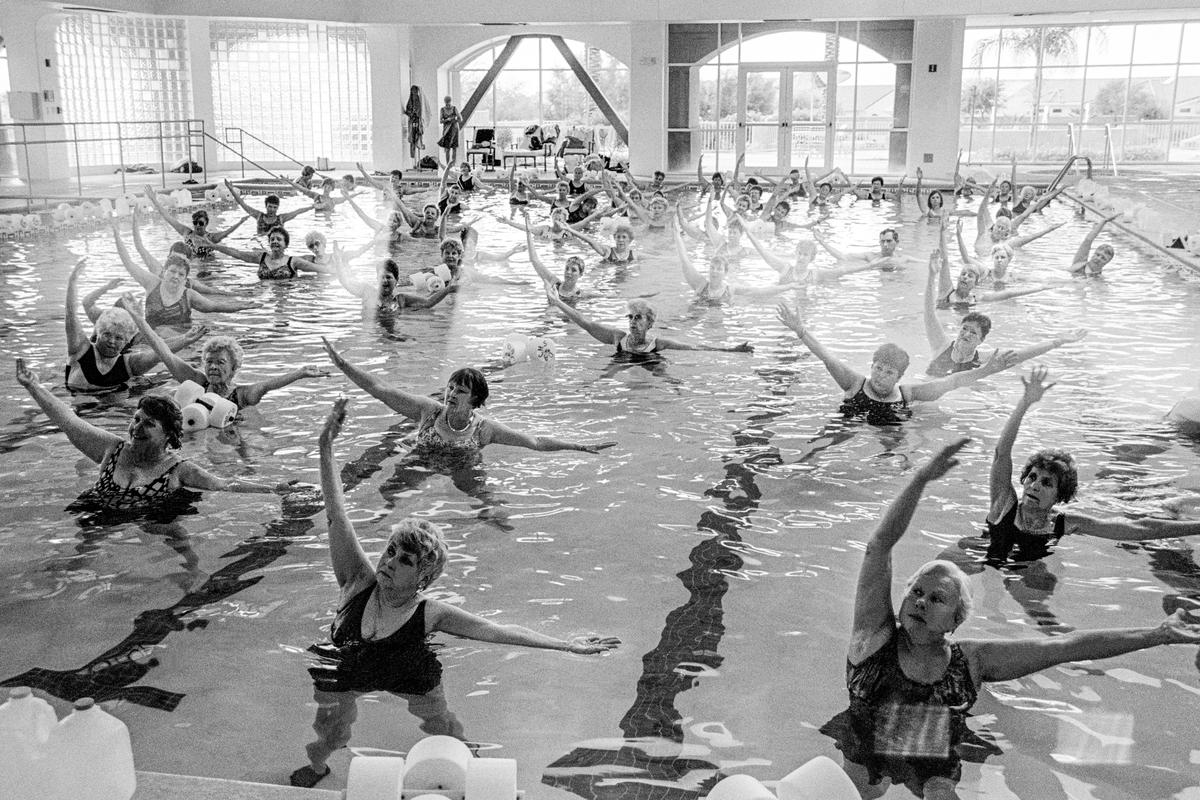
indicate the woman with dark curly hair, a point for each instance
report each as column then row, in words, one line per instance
column 142, row 469
column 1024, row 528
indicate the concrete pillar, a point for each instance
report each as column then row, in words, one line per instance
column 28, row 30
column 200, row 73
column 935, row 101
column 389, row 47
column 647, row 97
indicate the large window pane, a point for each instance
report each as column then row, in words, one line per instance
column 1157, row 44
column 1110, row 44
column 517, row 97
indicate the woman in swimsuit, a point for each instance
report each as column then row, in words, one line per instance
column 323, row 201
column 619, row 253
column 714, row 287
column 1089, row 264
column 275, row 264
column 911, row 686
column 880, row 397
column 1024, row 528
column 636, row 341
column 384, row 618
column 169, row 299
column 270, row 218
column 567, row 287
column 198, row 236
column 1004, row 229
column 142, row 469
column 220, row 359
column 454, row 424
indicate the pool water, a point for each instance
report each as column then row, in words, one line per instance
column 720, row 538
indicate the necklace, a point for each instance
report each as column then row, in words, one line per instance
column 377, row 621
column 463, row 429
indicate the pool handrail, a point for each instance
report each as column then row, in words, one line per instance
column 1062, row 173
column 1177, row 255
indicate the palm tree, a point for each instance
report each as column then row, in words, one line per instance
column 1051, row 41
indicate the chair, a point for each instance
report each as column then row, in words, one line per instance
column 483, row 145
column 577, row 142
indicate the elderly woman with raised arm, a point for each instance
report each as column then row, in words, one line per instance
column 911, row 685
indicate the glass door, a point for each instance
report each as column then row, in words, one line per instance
column 784, row 115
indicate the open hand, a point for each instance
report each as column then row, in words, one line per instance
column 1179, row 629
column 943, row 460
column 590, row 645
column 791, row 318
column 333, row 423
column 1035, row 384
column 309, row 371
column 333, row 354
column 25, row 376
column 596, row 448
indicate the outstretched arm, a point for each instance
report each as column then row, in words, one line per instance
column 922, row 205
column 1008, row 660
column 143, row 276
column 253, row 393
column 152, row 263
column 237, row 198
column 590, row 241
column 219, row 235
column 410, row 405
column 441, row 616
column 932, row 390
column 249, row 256
column 534, row 259
column 845, row 377
column 370, row 180
column 180, row 370
column 219, row 305
column 776, row 262
column 874, row 617
column 495, row 433
column 302, row 190
column 152, row 196
column 1008, row 294
column 341, row 270
column 690, row 274
column 87, row 438
column 601, row 333
column 833, row 251
column 700, row 179
column 1020, row 240
column 983, row 217
column 291, row 215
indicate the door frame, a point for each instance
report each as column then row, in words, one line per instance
column 786, row 71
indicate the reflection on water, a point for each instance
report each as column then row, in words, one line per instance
column 733, row 476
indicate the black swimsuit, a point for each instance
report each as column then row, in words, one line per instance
column 944, row 364
column 876, row 412
column 402, row 662
column 106, row 493
column 115, row 378
column 1007, row 541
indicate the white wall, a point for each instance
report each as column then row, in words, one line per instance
column 934, row 98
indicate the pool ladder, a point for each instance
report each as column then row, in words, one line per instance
column 1062, row 173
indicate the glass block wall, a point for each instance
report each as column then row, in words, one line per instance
column 303, row 87
column 120, row 67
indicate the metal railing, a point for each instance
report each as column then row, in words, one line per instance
column 242, row 135
column 26, row 136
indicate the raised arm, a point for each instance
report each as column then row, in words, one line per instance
column 874, row 617
column 90, row 299
column 840, row 255
column 341, row 269
column 370, row 180
column 410, row 405
column 934, row 333
column 77, row 339
column 705, row 185
column 237, row 198
column 219, row 235
column 373, row 224
column 302, row 190
column 1037, row 206
column 775, row 261
column 152, row 264
column 601, row 333
column 350, row 564
column 1008, row 660
column 594, row 243
column 690, row 274
column 180, row 370
column 147, row 279
column 534, row 259
column 1079, row 262
column 219, row 305
column 1008, row 294
column 845, row 377
column 983, row 216
column 152, row 196
column 87, row 438
column 1000, row 478
column 284, row 218
column 922, row 205
column 1020, row 240
column 430, row 300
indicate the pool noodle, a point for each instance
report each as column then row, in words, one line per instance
column 741, row 787
column 187, row 393
column 437, row 764
column 221, row 411
column 195, row 417
column 819, row 779
column 375, row 778
column 492, row 779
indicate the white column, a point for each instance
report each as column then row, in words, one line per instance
column 203, row 106
column 28, row 29
column 647, row 97
column 936, row 97
column 389, row 47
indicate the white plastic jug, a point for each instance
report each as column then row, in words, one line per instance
column 25, row 724
column 90, row 755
